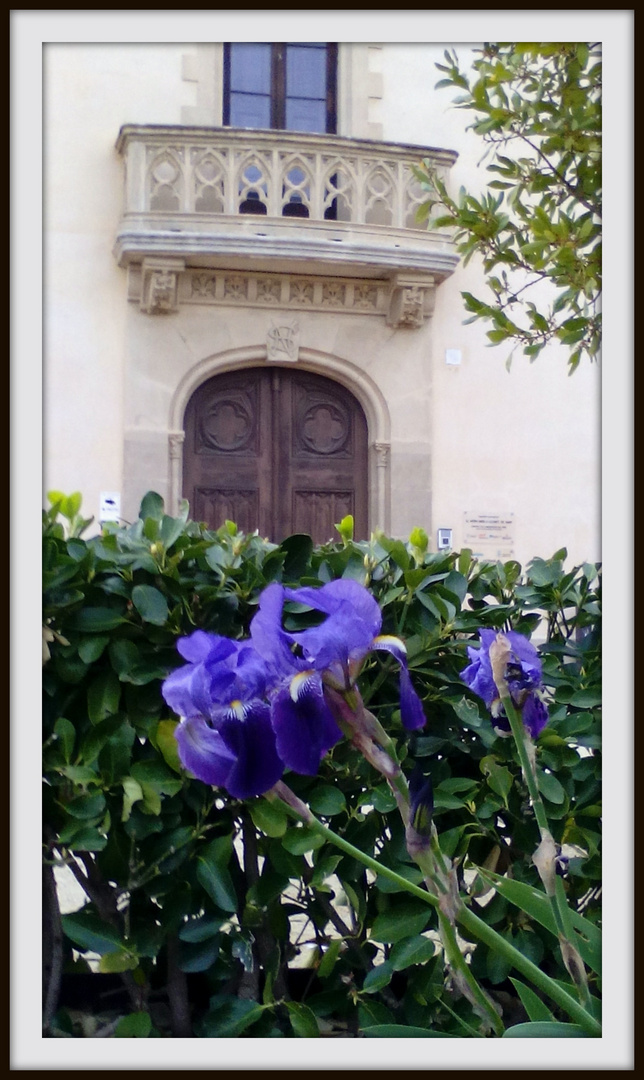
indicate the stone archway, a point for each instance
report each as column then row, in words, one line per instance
column 278, row 449
column 337, row 369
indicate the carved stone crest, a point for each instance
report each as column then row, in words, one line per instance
column 283, row 342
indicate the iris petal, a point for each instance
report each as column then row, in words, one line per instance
column 257, row 766
column 412, row 713
column 187, row 690
column 535, row 715
column 203, row 752
column 304, row 727
column 270, row 640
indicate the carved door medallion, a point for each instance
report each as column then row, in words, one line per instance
column 276, row 450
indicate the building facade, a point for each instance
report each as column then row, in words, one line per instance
column 241, row 309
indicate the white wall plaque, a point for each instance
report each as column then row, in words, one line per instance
column 490, row 536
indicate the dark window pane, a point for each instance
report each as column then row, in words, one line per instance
column 250, row 67
column 250, row 111
column 305, row 115
column 305, row 72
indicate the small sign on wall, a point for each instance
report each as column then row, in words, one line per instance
column 490, row 536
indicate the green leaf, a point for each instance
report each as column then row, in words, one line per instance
column 399, row 1031
column 103, row 697
column 81, row 774
column 164, row 737
column 87, row 807
column 467, row 712
column 372, row 1013
column 200, row 956
column 399, row 923
column 150, row 604
column 91, row 648
column 586, row 699
column 97, row 619
column 158, row 776
column 152, row 506
column 218, row 884
column 298, row 550
column 411, row 950
column 299, row 840
column 545, row 1030
column 91, row 934
column 536, row 904
column 499, row 778
column 381, row 798
column 151, row 799
column 533, row 1005
column 171, row 530
column 378, row 977
column 550, row 787
column 327, row 800
column 115, row 963
column 135, row 1026
column 66, row 732
column 269, row 817
column 329, row 958
column 132, row 792
column 200, row 929
column 229, row 1017
column 303, row 1020
column 124, row 656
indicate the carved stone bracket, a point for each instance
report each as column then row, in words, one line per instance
column 411, row 300
column 160, row 285
column 382, row 454
column 176, row 440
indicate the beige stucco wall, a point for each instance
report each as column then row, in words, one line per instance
column 470, row 437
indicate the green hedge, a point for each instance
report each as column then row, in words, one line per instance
column 193, row 897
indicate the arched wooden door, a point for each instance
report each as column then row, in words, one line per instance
column 277, row 450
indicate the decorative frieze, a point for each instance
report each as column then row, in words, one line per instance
column 162, row 285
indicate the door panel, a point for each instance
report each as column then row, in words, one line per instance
column 276, row 450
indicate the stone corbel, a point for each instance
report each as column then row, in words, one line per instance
column 160, row 285
column 411, row 300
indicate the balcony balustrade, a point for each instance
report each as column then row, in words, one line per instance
column 276, row 201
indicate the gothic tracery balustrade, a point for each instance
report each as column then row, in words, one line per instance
column 217, row 171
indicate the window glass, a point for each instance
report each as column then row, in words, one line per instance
column 271, row 85
column 250, row 68
column 304, row 115
column 306, row 71
column 250, row 110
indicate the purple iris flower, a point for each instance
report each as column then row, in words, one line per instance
column 335, row 650
column 225, row 737
column 304, row 726
column 523, row 675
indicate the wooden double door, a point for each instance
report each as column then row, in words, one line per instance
column 277, row 450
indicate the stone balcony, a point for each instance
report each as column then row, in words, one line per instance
column 277, row 204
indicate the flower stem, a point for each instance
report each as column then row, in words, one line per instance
column 467, row 919
column 544, row 857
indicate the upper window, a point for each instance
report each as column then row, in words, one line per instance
column 280, row 85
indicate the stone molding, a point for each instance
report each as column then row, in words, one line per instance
column 163, row 285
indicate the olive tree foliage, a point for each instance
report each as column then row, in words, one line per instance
column 538, row 111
